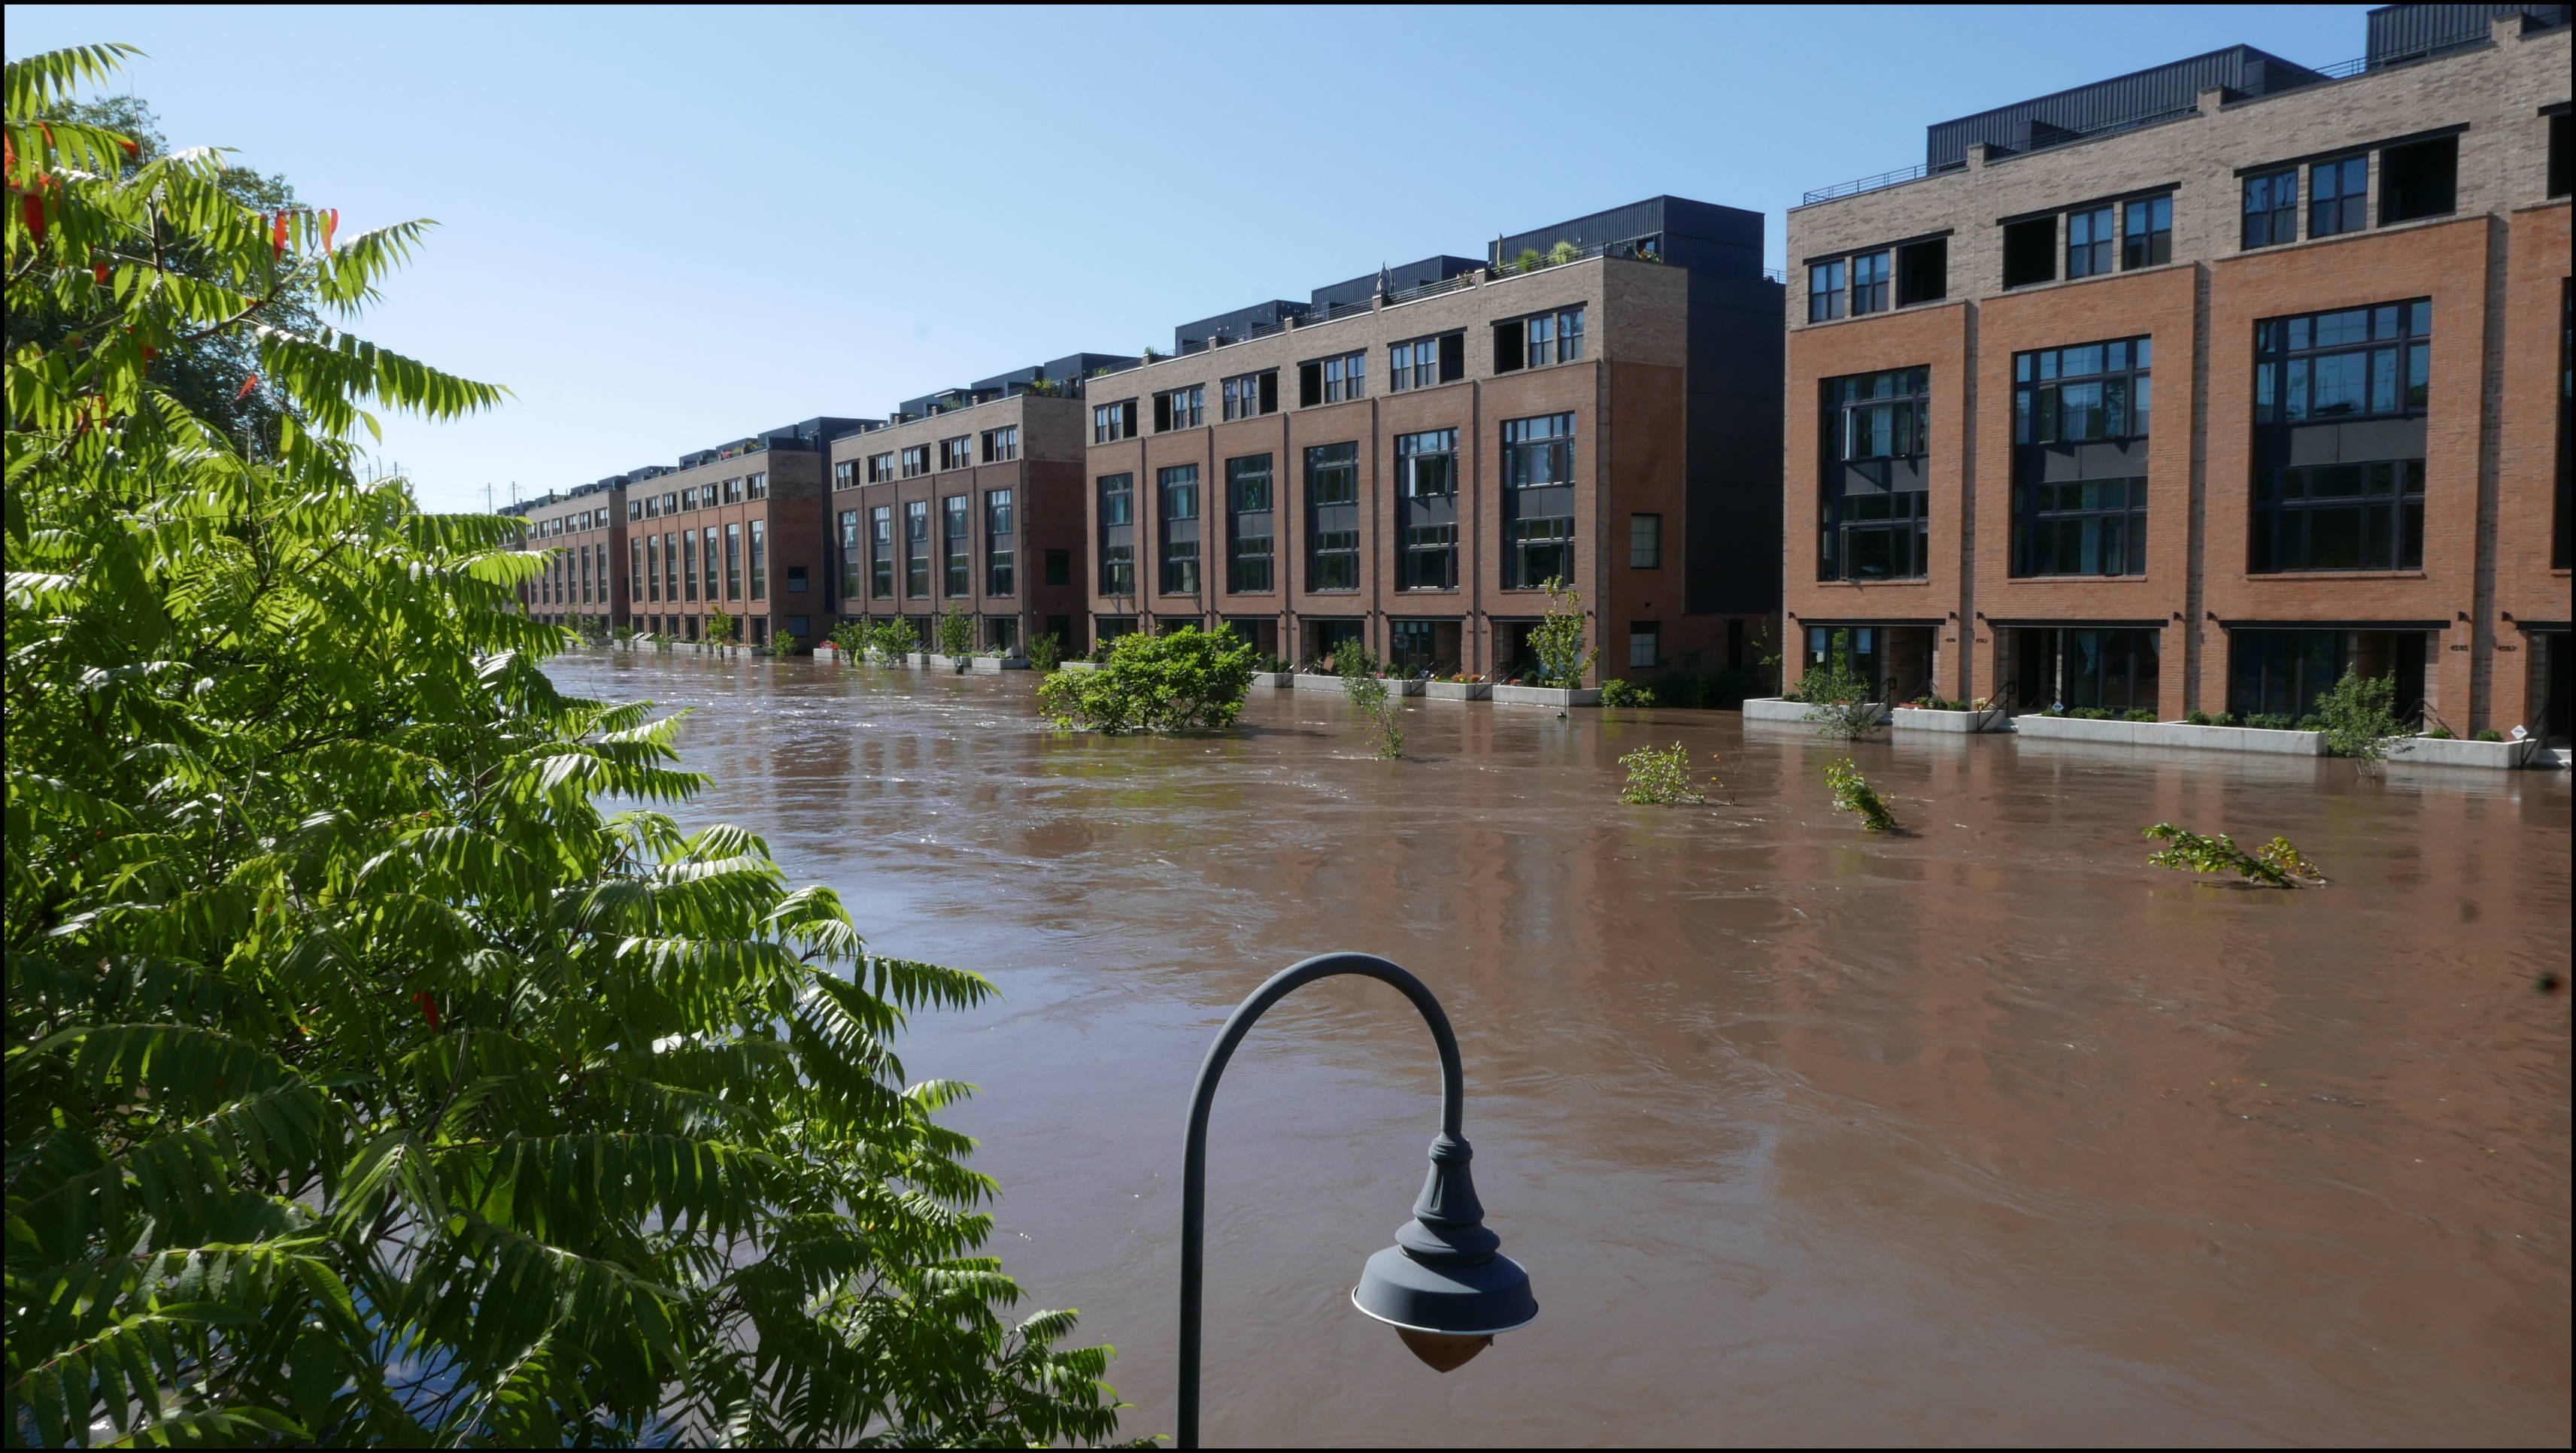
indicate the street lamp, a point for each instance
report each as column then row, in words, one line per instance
column 1443, row 1285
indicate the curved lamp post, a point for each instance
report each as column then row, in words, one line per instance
column 1443, row 1285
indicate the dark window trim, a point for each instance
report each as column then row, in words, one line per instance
column 2338, row 153
column 1874, row 622
column 2134, row 194
column 2554, row 108
column 2069, row 623
column 1842, row 252
column 2234, row 625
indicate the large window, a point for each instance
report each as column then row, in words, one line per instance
column 851, row 565
column 880, row 467
column 1113, row 422
column 1825, row 291
column 2079, row 667
column 2271, row 209
column 2339, row 517
column 1426, row 488
column 2146, row 232
column 634, row 571
column 957, row 453
column 2350, row 364
column 1181, row 408
column 1538, row 501
column 2338, row 196
column 916, row 548
column 733, row 557
column 1249, row 531
column 1869, row 283
column 1001, row 540
column 711, row 545
column 1178, row 489
column 653, row 567
column 1333, row 517
column 957, row 546
column 881, row 552
column 916, row 461
column 1250, row 395
column 1538, row 341
column 757, row 549
column 1426, row 362
column 1875, row 518
column 688, row 565
column 2419, row 180
column 2089, row 242
column 1332, row 380
column 1645, row 542
column 1002, row 445
column 2074, row 395
column 1118, row 534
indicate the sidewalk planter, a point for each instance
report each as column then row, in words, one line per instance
column 1556, row 696
column 2172, row 734
column 1308, row 681
column 996, row 665
column 1078, row 666
column 1401, row 687
column 2451, row 752
column 1781, row 708
column 1458, row 690
column 1271, row 678
column 1926, row 719
column 916, row 658
column 960, row 664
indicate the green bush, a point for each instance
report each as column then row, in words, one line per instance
column 2439, row 733
column 721, row 628
column 2198, row 718
column 891, row 639
column 385, row 1066
column 2140, row 713
column 1618, row 691
column 1559, row 641
column 1660, row 777
column 2091, row 713
column 1185, row 680
column 2270, row 721
column 2488, row 734
column 1852, row 793
column 2359, row 717
column 1351, row 658
column 1046, row 652
column 851, row 639
column 2276, row 864
column 1836, row 695
column 1369, row 697
column 956, row 632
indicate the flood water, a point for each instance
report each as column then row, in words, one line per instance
column 1989, row 1133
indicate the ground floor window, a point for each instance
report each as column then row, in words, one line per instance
column 1107, row 629
column 2083, row 668
column 1423, row 647
column 1645, row 644
column 1895, row 660
column 1002, row 633
column 2279, row 674
column 1323, row 637
column 760, row 630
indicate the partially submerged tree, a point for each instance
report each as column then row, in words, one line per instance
column 367, row 1081
column 1183, row 680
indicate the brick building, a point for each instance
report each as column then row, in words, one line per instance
column 582, row 533
column 970, row 499
column 2188, row 389
column 1407, row 456
column 740, row 529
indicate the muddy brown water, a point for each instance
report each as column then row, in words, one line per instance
column 1989, row 1133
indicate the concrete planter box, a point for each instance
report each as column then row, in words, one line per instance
column 960, row 664
column 2450, row 752
column 1401, row 687
column 1925, row 719
column 2172, row 734
column 1078, row 666
column 1271, row 678
column 995, row 665
column 1309, row 681
column 1547, row 696
column 1458, row 690
column 1780, row 708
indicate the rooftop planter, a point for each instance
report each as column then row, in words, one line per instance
column 2450, row 752
column 1948, row 719
column 1458, row 690
column 1556, row 696
column 2172, row 734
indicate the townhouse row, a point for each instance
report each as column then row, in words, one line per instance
column 2352, row 281
column 2186, row 390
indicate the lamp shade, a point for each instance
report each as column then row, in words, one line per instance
column 1457, row 1301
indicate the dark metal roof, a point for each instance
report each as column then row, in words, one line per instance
column 1251, row 322
column 1701, row 236
column 1410, row 275
column 2403, row 32
column 2170, row 89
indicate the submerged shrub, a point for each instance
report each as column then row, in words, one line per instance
column 2359, row 716
column 1852, row 793
column 1183, row 680
column 1837, row 696
column 2276, row 864
column 1660, row 777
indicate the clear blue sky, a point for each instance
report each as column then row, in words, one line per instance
column 664, row 228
